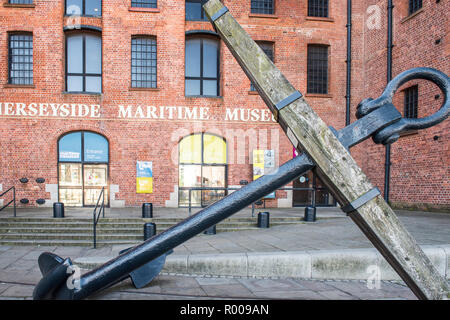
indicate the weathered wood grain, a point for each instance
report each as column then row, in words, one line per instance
column 334, row 163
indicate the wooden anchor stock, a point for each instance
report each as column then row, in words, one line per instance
column 334, row 164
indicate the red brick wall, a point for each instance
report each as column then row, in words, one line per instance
column 420, row 168
column 28, row 145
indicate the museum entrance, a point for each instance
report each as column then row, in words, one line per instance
column 82, row 168
column 202, row 164
column 302, row 198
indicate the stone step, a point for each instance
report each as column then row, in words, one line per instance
column 5, row 227
column 132, row 220
column 63, row 243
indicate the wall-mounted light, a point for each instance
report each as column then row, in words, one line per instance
column 435, row 138
column 40, row 180
column 243, row 182
column 24, row 200
column 40, row 201
column 23, row 180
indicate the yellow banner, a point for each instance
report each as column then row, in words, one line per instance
column 144, row 185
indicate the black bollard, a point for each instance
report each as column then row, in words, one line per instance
column 58, row 210
column 149, row 230
column 310, row 214
column 147, row 210
column 210, row 230
column 263, row 219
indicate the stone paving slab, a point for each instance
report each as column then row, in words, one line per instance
column 19, row 271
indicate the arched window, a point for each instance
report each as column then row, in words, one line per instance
column 83, row 159
column 202, row 163
column 202, row 66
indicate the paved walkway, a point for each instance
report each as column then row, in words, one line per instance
column 19, row 271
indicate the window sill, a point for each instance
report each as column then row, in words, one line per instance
column 319, row 95
column 143, row 89
column 262, row 15
column 208, row 97
column 16, row 5
column 84, row 16
column 138, row 9
column 324, row 19
column 24, row 86
column 83, row 93
column 411, row 15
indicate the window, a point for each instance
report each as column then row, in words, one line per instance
column 194, row 10
column 318, row 8
column 21, row 1
column 202, row 67
column 262, row 6
column 83, row 158
column 202, row 163
column 317, row 69
column 411, row 101
column 267, row 47
column 20, row 64
column 84, row 63
column 84, row 7
column 144, row 3
column 143, row 62
column 414, row 5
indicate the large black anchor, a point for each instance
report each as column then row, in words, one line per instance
column 377, row 118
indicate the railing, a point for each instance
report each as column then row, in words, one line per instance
column 96, row 216
column 13, row 200
column 190, row 189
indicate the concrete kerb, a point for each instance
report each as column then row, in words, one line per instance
column 347, row 264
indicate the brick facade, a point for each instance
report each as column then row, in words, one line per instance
column 28, row 143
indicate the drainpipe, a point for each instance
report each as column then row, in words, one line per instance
column 387, row 164
column 349, row 62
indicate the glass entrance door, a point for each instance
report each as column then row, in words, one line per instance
column 303, row 198
column 95, row 178
column 83, row 159
column 213, row 177
column 71, row 184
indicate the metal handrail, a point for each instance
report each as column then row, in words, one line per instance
column 97, row 217
column 190, row 189
column 13, row 200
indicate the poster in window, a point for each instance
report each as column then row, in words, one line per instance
column 144, row 177
column 263, row 163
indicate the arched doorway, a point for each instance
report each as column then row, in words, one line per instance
column 83, row 159
column 202, row 163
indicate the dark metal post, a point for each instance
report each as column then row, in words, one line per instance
column 263, row 219
column 190, row 202
column 14, row 196
column 387, row 163
column 94, row 232
column 149, row 230
column 147, row 210
column 58, row 210
column 349, row 62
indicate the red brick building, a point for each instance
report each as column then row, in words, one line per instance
column 142, row 97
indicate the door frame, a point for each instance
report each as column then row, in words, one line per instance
column 82, row 162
